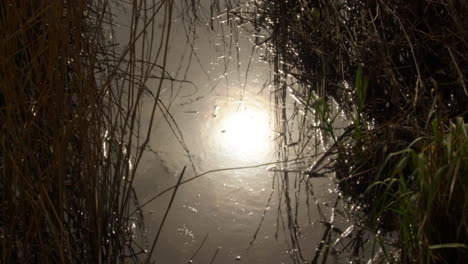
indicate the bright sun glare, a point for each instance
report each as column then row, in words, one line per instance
column 246, row 132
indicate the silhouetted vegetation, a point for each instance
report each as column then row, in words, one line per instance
column 70, row 137
column 70, row 126
column 397, row 70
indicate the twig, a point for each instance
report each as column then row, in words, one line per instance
column 169, row 206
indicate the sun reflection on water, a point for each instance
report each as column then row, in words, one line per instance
column 245, row 133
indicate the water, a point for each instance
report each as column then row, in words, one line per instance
column 224, row 119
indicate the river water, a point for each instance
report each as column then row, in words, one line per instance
column 239, row 212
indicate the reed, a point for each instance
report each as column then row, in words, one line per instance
column 70, row 126
column 70, row 137
column 392, row 70
column 428, row 193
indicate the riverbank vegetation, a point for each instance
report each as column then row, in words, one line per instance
column 71, row 141
column 398, row 71
column 70, row 137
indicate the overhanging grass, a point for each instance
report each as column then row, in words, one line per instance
column 393, row 67
column 70, row 138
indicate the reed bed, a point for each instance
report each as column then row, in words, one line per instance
column 398, row 71
column 70, row 128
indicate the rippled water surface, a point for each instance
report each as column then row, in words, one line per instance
column 225, row 119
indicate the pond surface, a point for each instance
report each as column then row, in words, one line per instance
column 222, row 122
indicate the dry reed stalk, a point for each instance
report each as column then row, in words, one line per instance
column 392, row 67
column 69, row 113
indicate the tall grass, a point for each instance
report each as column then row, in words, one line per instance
column 427, row 190
column 392, row 67
column 71, row 141
column 70, row 137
